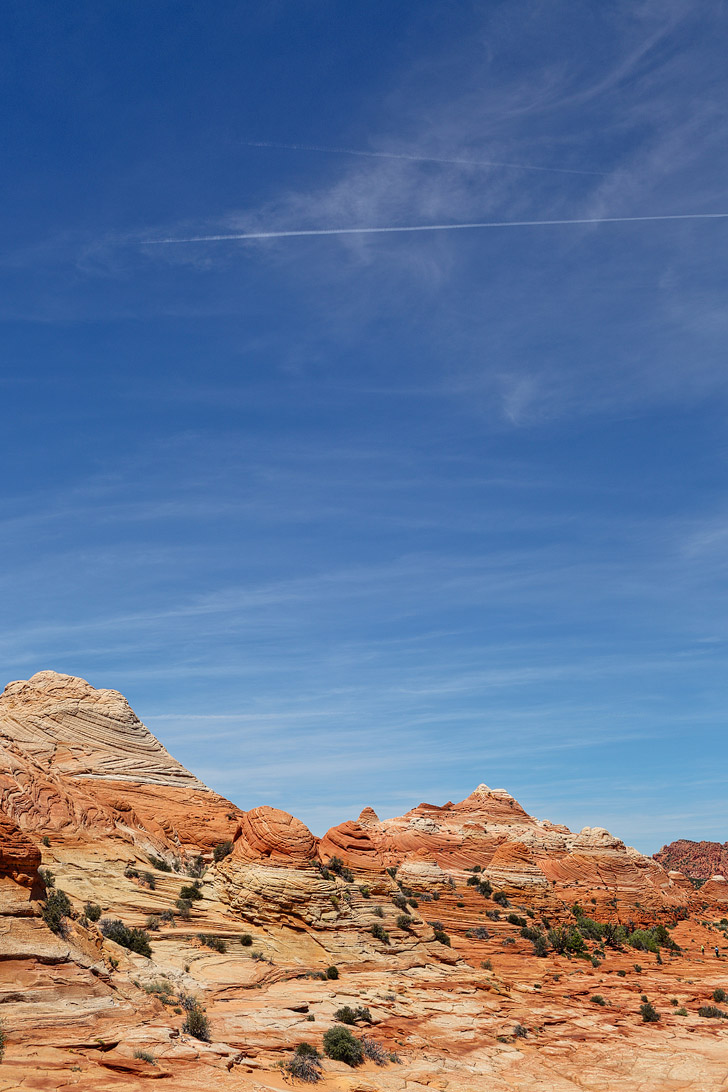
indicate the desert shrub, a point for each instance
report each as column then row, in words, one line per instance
column 414, row 903
column 145, row 1056
column 494, row 915
column 622, row 974
column 311, row 1017
column 337, row 866
column 131, row 873
column 480, row 933
column 719, row 994
column 378, row 911
column 472, row 881
column 136, row 940
column 530, row 932
column 613, row 935
column 162, row 988
column 540, row 946
column 348, row 1015
column 216, row 943
column 341, row 1045
column 246, row 940
column 148, row 880
column 305, row 1065
column 559, row 939
column 191, row 892
column 196, row 1022
column 55, row 910
column 485, row 887
column 92, row 910
column 711, row 1012
column 196, row 866
column 595, row 962
column 643, row 941
column 46, row 840
column 380, row 933
column 501, row 898
column 332, row 973
column 184, row 906
column 520, row 1032
column 487, row 964
column 650, row 1015
column 375, row 1052
column 681, row 1011
column 590, row 930
column 441, row 936
column 160, row 864
column 644, row 997
column 2, row 1040
column 152, row 923
column 47, row 877
column 259, row 957
column 435, row 895
column 514, row 919
column 365, row 892
column 598, row 999
column 577, row 910
column 399, row 901
column 166, row 917
column 638, row 968
column 404, row 921
column 222, row 850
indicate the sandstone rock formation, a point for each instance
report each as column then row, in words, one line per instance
column 429, row 920
column 697, row 860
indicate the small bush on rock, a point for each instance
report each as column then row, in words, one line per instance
column 598, row 999
column 136, row 940
column 650, row 1015
column 348, row 1015
column 246, row 940
column 341, row 1046
column 222, row 850
column 305, row 1065
column 196, row 1022
column 380, row 933
column 711, row 1012
column 92, row 910
column 375, row 1052
column 55, row 910
column 332, row 973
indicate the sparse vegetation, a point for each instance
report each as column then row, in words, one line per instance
column 216, row 943
column 46, row 840
column 92, row 910
column 55, row 910
column 196, row 1022
column 404, row 921
column 136, row 940
column 47, row 877
column 375, row 1052
column 348, row 1015
column 501, row 898
column 222, row 850
column 190, row 892
column 246, row 940
column 305, row 1065
column 520, row 1032
column 365, row 892
column 719, row 995
column 380, row 933
column 650, row 1015
column 145, row 1056
column 332, row 973
column 184, row 907
column 2, row 1040
column 342, row 1046
column 712, row 1012
column 440, row 935
column 514, row 919
column 160, row 864
column 598, row 999
column 337, row 866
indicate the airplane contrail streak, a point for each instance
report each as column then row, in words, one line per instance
column 457, row 161
column 243, row 236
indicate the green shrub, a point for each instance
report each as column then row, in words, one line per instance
column 622, row 974
column 332, row 973
column 348, row 1015
column 404, row 921
column 681, row 1011
column 145, row 1056
column 638, row 968
column 222, row 850
column 540, row 946
column 441, row 936
column 479, row 933
column 55, row 910
column 136, row 940
column 487, row 964
column 159, row 863
column 650, row 1015
column 365, row 892
column 92, row 910
column 46, row 840
column 196, row 1022
column 305, row 1065
column 337, row 865
column 719, row 994
column 514, row 919
column 380, row 933
column 191, row 892
column 375, row 1052
column 132, row 873
column 598, row 999
column 378, row 911
column 519, row 1032
column 501, row 898
column 494, row 915
column 196, row 867
column 184, row 906
column 341, row 1046
column 2, row 1040
column 216, row 943
column 246, row 940
column 711, row 1012
column 47, row 877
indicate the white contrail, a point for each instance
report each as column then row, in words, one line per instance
column 242, row 236
column 461, row 162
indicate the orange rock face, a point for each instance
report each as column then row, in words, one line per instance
column 697, row 860
column 449, row 974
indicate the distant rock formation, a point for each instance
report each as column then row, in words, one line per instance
column 697, row 860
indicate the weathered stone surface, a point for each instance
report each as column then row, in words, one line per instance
column 696, row 860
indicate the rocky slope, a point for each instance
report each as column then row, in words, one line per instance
column 697, row 860
column 430, row 920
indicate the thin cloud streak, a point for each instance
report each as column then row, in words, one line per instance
column 448, row 161
column 440, row 227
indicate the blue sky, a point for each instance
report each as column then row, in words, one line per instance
column 370, row 519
